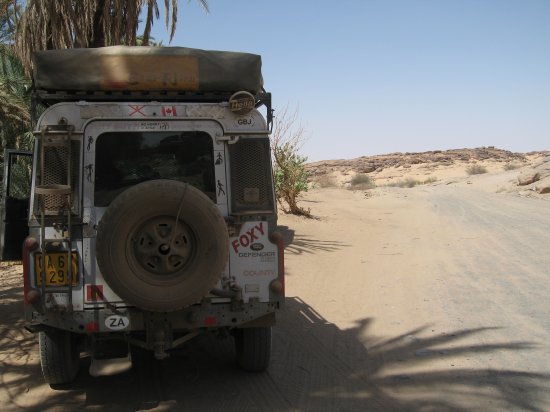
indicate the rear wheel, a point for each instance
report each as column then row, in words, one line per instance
column 59, row 356
column 253, row 348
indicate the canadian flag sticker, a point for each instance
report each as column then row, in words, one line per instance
column 168, row 111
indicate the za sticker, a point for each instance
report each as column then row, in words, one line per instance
column 117, row 322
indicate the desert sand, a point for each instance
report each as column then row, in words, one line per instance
column 434, row 297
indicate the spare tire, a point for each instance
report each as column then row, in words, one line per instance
column 162, row 245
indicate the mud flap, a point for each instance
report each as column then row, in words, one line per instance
column 110, row 358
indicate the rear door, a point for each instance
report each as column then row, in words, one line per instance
column 122, row 154
column 14, row 206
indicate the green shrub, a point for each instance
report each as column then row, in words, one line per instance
column 291, row 176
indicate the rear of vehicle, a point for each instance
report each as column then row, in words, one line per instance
column 152, row 216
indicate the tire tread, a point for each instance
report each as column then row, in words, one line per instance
column 59, row 358
column 253, row 347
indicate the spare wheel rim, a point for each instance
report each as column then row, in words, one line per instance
column 162, row 246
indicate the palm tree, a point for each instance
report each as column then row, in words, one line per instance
column 61, row 24
column 15, row 118
column 26, row 26
column 8, row 19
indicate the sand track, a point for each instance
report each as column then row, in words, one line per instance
column 431, row 298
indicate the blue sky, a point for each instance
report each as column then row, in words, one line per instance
column 380, row 76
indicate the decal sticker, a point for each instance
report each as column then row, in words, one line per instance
column 264, row 256
column 259, row 273
column 220, row 188
column 89, row 172
column 94, row 292
column 251, row 194
column 256, row 247
column 242, row 102
column 219, row 159
column 244, row 121
column 53, row 300
column 154, row 125
column 90, row 142
column 169, row 111
column 248, row 238
column 268, row 257
column 89, row 220
column 136, row 109
column 86, row 253
column 117, row 322
column 210, row 321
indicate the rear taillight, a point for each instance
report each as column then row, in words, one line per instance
column 278, row 285
column 29, row 295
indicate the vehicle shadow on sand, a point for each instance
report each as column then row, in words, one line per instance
column 315, row 366
column 299, row 244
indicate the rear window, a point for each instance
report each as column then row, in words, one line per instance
column 127, row 158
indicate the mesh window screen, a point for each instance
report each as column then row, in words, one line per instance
column 251, row 178
column 55, row 173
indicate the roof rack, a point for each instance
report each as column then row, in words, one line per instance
column 49, row 97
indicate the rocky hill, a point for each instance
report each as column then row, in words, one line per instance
column 524, row 173
column 369, row 164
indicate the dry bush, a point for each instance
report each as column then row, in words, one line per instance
column 290, row 174
column 325, row 181
column 511, row 166
column 408, row 183
column 361, row 181
column 476, row 170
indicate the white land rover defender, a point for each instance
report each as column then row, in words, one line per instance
column 146, row 213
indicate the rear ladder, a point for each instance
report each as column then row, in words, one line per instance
column 54, row 194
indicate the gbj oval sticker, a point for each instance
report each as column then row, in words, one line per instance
column 117, row 322
column 256, row 247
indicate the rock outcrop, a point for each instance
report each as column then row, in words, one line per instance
column 369, row 164
column 538, row 178
column 543, row 186
column 526, row 178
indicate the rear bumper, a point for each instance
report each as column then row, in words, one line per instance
column 129, row 319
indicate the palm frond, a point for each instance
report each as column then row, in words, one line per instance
column 60, row 24
column 204, row 5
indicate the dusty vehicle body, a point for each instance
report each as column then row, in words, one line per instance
column 155, row 197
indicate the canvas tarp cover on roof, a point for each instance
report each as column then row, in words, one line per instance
column 147, row 69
